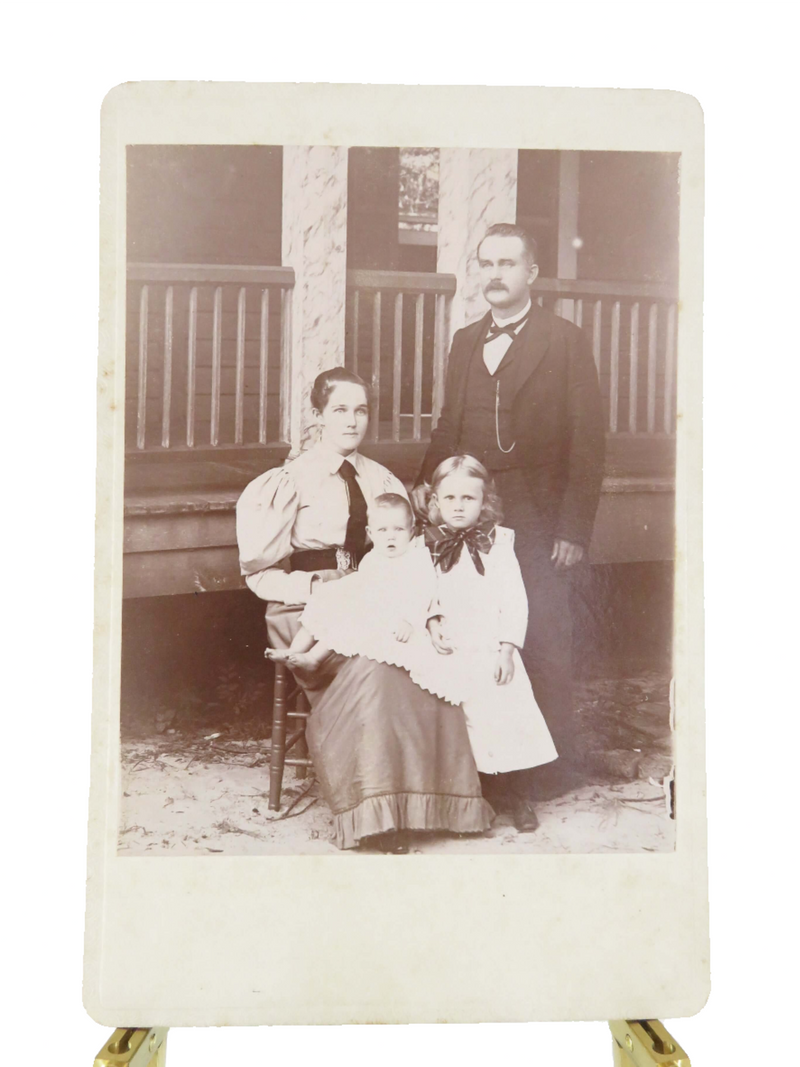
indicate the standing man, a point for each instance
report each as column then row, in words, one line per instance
column 522, row 396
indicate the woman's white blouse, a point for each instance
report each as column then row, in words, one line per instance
column 301, row 505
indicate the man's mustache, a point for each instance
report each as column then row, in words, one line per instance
column 495, row 285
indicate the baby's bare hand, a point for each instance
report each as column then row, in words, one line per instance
column 403, row 631
column 439, row 639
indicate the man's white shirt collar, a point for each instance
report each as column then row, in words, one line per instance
column 515, row 318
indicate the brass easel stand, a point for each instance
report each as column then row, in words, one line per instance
column 645, row 1043
column 642, row 1043
column 134, row 1048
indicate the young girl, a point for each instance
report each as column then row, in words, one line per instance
column 484, row 616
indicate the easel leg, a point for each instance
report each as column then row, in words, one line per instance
column 645, row 1043
column 136, row 1047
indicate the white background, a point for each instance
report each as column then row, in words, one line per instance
column 739, row 61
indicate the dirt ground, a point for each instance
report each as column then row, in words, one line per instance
column 186, row 792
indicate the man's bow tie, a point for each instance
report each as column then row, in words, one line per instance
column 510, row 328
column 445, row 544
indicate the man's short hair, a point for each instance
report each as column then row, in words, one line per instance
column 510, row 229
column 392, row 500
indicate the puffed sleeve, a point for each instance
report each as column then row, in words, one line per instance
column 391, row 484
column 513, row 613
column 265, row 515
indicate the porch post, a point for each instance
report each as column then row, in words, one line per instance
column 477, row 187
column 568, row 176
column 314, row 243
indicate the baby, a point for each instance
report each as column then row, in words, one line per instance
column 380, row 610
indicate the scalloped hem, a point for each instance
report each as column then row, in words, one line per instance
column 411, row 811
column 417, row 677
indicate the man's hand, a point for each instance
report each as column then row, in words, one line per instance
column 403, row 630
column 438, row 638
column 566, row 554
column 504, row 667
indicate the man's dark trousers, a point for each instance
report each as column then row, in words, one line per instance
column 547, row 654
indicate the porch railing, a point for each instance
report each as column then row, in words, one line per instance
column 632, row 328
column 396, row 337
column 397, row 330
column 205, row 346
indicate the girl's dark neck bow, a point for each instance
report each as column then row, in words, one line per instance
column 445, row 544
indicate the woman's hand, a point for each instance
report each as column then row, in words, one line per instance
column 319, row 577
column 403, row 630
column 504, row 667
column 438, row 639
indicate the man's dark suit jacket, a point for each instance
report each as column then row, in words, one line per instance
column 557, row 415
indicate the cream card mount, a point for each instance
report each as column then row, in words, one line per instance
column 204, row 906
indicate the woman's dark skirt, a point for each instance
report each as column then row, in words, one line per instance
column 391, row 756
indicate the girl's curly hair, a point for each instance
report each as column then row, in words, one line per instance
column 424, row 496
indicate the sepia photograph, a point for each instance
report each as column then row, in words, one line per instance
column 399, row 500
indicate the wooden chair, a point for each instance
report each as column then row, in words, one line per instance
column 285, row 706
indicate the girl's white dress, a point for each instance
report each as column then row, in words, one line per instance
column 357, row 615
column 506, row 728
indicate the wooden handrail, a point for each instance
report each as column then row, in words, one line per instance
column 569, row 287
column 402, row 281
column 210, row 274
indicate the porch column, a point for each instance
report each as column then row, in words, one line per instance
column 314, row 243
column 477, row 187
column 568, row 177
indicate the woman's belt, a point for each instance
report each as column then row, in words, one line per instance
column 322, row 559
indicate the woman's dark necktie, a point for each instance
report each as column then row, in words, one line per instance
column 355, row 538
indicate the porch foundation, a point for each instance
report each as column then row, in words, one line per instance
column 314, row 243
column 477, row 188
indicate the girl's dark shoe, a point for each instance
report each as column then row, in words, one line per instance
column 524, row 815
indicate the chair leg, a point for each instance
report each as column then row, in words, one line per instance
column 301, row 748
column 278, row 746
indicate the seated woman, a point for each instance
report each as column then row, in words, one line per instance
column 389, row 755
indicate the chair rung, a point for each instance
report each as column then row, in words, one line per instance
column 293, row 738
column 298, row 714
column 294, row 761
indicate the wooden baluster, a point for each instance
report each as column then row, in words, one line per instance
column 633, row 381
column 216, row 365
column 579, row 313
column 597, row 336
column 614, row 397
column 439, row 355
column 141, row 413
column 397, row 379
column 420, row 310
column 652, row 337
column 166, row 396
column 356, row 303
column 191, row 368
column 241, row 326
column 669, row 370
column 285, row 384
column 263, row 368
column 376, row 366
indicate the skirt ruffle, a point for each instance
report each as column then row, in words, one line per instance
column 411, row 811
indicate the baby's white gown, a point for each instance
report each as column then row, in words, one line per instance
column 356, row 615
column 506, row 728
